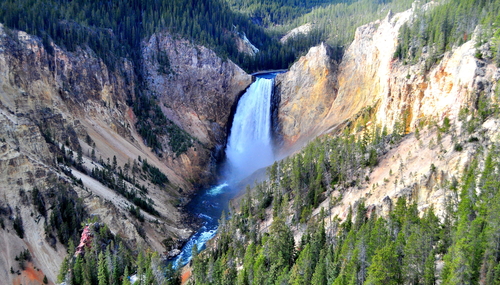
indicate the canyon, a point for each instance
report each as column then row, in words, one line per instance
column 369, row 90
column 70, row 105
column 56, row 103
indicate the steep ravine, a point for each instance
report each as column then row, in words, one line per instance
column 54, row 101
column 389, row 130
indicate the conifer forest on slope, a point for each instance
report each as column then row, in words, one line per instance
column 402, row 248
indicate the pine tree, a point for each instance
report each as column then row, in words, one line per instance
column 114, row 163
column 281, row 244
column 149, row 277
column 62, row 272
column 246, row 276
column 102, row 271
column 462, row 262
column 78, row 271
column 302, row 270
column 115, row 275
column 430, row 270
column 79, row 159
column 89, row 271
column 384, row 268
column 141, row 264
column 282, row 277
column 415, row 256
column 259, row 269
column 126, row 280
column 320, row 275
column 199, row 268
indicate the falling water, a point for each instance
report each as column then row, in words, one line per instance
column 249, row 148
column 249, row 145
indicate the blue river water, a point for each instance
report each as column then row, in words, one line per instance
column 249, row 148
column 208, row 206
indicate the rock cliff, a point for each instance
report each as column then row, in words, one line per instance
column 369, row 76
column 305, row 94
column 369, row 89
column 54, row 105
column 197, row 90
column 67, row 132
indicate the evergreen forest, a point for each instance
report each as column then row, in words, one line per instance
column 115, row 29
column 407, row 246
column 449, row 25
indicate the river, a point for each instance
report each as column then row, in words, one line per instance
column 249, row 148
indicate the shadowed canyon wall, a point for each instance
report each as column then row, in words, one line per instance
column 66, row 127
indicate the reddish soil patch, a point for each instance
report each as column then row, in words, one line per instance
column 185, row 276
column 33, row 274
column 29, row 276
column 131, row 114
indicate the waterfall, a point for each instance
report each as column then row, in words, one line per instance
column 249, row 145
column 249, row 148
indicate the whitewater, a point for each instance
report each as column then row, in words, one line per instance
column 249, row 148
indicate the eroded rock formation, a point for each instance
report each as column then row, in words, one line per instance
column 197, row 90
column 370, row 82
column 306, row 92
column 60, row 108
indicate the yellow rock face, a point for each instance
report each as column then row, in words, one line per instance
column 306, row 93
column 317, row 95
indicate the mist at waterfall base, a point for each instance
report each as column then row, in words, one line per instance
column 249, row 148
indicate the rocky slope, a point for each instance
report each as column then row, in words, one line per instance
column 423, row 127
column 369, row 89
column 66, row 126
column 198, row 91
column 305, row 94
column 300, row 30
column 368, row 76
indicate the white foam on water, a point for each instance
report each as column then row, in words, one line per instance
column 206, row 217
column 217, row 189
column 249, row 148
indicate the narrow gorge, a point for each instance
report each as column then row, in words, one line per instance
column 385, row 162
column 249, row 148
column 315, row 175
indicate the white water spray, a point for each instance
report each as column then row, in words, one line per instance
column 249, row 145
column 249, row 148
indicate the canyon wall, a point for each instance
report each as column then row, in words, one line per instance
column 370, row 89
column 65, row 122
column 317, row 89
column 305, row 94
column 198, row 91
column 52, row 99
